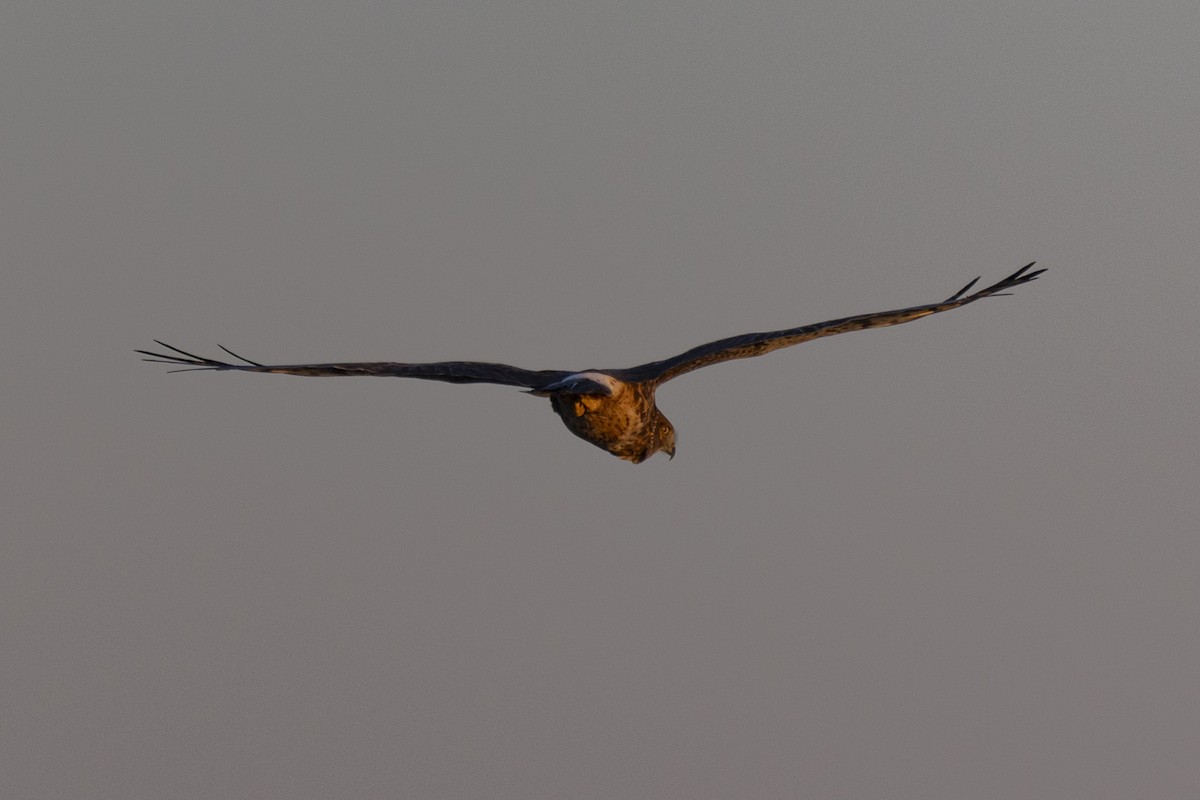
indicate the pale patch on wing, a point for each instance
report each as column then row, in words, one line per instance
column 586, row 383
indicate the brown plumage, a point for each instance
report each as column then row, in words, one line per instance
column 613, row 409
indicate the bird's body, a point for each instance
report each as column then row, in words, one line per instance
column 613, row 409
column 626, row 423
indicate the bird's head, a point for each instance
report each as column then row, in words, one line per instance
column 663, row 434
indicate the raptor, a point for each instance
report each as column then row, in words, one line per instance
column 613, row 409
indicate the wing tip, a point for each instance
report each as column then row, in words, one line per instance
column 1021, row 276
column 189, row 362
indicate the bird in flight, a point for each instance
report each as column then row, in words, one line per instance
column 613, row 409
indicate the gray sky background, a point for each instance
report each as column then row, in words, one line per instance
column 952, row 559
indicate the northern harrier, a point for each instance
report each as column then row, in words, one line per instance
column 613, row 409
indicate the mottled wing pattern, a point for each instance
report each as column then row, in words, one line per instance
column 448, row 371
column 756, row 344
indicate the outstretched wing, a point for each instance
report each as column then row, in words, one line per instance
column 448, row 371
column 756, row 344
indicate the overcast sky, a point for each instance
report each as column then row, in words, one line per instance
column 952, row 559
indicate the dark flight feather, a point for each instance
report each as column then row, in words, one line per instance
column 447, row 371
column 757, row 344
